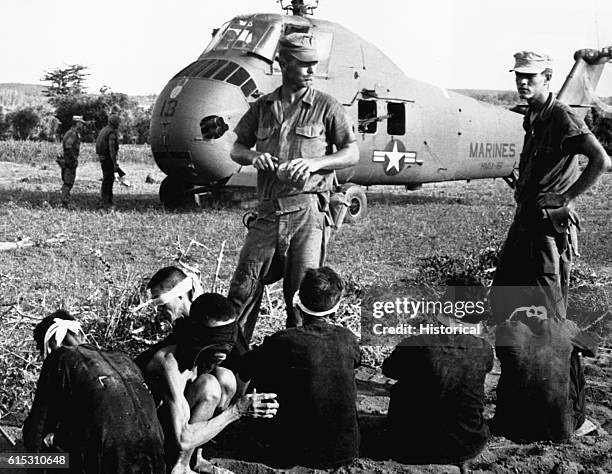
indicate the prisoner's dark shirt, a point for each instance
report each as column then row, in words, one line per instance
column 436, row 408
column 311, row 368
column 100, row 410
column 545, row 165
column 310, row 128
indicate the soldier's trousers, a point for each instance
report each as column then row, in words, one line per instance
column 534, row 270
column 108, row 178
column 68, row 177
column 277, row 246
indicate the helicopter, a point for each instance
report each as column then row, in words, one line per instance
column 408, row 132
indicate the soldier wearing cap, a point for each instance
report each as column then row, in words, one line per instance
column 538, row 251
column 300, row 135
column 107, row 148
column 71, row 145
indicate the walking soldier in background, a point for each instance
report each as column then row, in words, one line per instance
column 71, row 145
column 107, row 147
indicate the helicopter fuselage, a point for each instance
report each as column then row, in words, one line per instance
column 408, row 132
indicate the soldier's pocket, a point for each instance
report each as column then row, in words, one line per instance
column 546, row 254
column 312, row 140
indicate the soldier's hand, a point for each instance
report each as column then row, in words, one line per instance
column 265, row 162
column 299, row 169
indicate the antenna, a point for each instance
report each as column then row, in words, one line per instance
column 595, row 9
column 299, row 7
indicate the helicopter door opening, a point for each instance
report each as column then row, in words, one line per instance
column 396, row 118
column 367, row 116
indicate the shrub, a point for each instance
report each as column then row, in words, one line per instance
column 95, row 109
column 24, row 121
column 601, row 126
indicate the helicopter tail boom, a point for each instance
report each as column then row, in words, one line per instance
column 579, row 88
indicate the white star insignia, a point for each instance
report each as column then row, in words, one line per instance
column 394, row 157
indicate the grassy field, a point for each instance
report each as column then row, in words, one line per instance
column 98, row 267
column 30, row 152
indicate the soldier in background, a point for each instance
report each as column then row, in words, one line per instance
column 107, row 147
column 71, row 144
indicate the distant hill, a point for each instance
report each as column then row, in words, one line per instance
column 29, row 89
column 491, row 96
column 14, row 95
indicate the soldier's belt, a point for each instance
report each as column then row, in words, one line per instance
column 287, row 204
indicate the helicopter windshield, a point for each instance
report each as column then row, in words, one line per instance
column 247, row 35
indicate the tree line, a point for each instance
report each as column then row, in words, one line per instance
column 66, row 97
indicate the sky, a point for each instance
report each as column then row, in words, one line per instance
column 136, row 46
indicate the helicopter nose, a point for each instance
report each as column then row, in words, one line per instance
column 191, row 129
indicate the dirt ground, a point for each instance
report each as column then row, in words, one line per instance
column 589, row 454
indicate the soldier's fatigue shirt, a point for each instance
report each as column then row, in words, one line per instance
column 545, row 166
column 100, row 410
column 309, row 128
column 71, row 144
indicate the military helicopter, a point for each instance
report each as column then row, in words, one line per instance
column 408, row 132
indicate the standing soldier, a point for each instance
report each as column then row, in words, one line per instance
column 537, row 255
column 71, row 144
column 107, row 147
column 294, row 130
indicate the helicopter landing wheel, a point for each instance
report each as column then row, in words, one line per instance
column 173, row 193
column 358, row 203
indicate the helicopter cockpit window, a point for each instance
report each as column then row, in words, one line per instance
column 367, row 116
column 396, row 121
column 247, row 35
column 296, row 29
